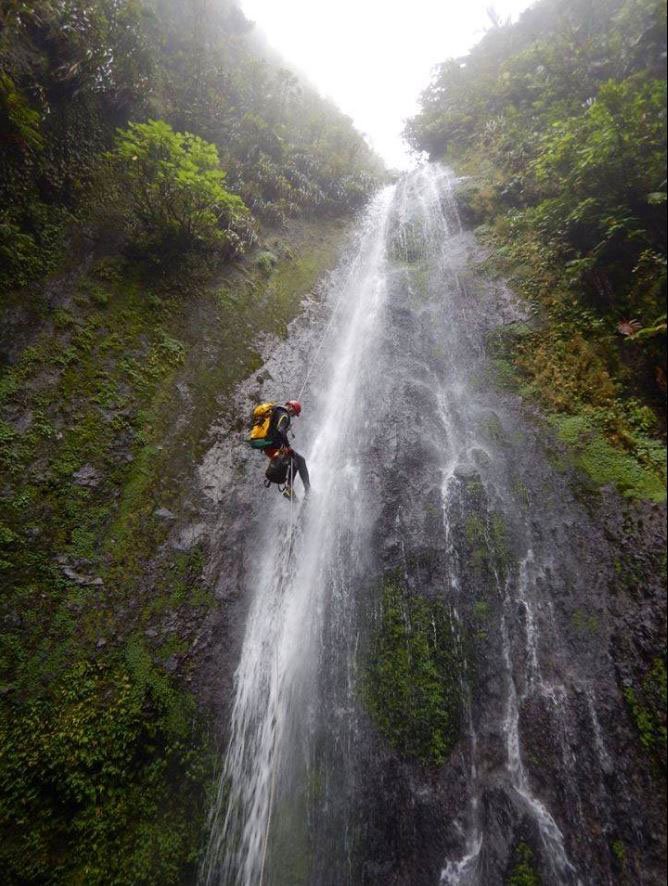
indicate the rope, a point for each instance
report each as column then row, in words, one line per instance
column 275, row 760
column 271, row 800
column 314, row 359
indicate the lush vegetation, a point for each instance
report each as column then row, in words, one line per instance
column 412, row 689
column 100, row 755
column 100, row 612
column 168, row 187
column 559, row 120
column 74, row 71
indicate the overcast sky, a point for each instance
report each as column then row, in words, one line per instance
column 374, row 57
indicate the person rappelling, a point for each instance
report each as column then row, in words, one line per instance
column 269, row 434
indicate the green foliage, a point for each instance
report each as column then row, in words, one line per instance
column 73, row 72
column 175, row 187
column 647, row 705
column 585, row 623
column 411, row 688
column 68, row 69
column 523, row 871
column 487, row 538
column 97, row 388
column 619, row 851
column 21, row 122
column 90, row 762
column 266, row 262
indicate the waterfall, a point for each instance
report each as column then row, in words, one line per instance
column 419, row 466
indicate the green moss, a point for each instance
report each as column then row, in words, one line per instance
column 523, row 871
column 100, row 391
column 86, row 777
column 487, row 537
column 481, row 613
column 647, row 705
column 504, row 374
column 585, row 623
column 296, row 275
column 412, row 688
column 607, row 465
column 494, row 429
column 266, row 262
column 619, row 851
column 481, row 610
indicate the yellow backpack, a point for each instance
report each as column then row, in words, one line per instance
column 260, row 425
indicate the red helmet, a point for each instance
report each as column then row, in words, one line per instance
column 295, row 405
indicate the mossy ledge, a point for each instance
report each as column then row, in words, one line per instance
column 412, row 689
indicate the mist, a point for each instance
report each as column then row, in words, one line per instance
column 372, row 59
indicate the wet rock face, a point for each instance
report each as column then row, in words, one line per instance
column 553, row 611
column 550, row 638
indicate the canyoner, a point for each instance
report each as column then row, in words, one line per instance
column 270, row 425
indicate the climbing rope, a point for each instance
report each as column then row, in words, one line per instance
column 271, row 799
column 274, row 766
column 314, row 359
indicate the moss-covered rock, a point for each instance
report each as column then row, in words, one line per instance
column 412, row 688
column 523, row 871
column 647, row 706
column 606, row 464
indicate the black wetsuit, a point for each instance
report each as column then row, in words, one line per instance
column 280, row 425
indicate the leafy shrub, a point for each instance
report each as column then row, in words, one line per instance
column 266, row 262
column 174, row 186
column 31, row 242
column 523, row 871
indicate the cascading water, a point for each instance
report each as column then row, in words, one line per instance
column 422, row 468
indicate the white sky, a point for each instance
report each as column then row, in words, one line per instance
column 374, row 57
